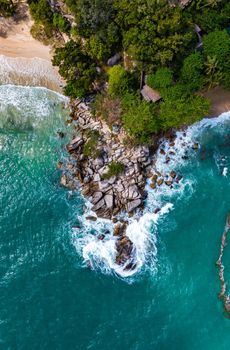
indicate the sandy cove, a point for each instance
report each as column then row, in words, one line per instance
column 24, row 60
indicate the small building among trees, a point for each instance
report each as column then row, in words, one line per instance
column 150, row 94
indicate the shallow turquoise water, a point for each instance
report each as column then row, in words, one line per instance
column 49, row 300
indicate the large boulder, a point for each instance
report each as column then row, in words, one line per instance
column 99, row 205
column 109, row 200
column 133, row 205
column 114, row 59
column 125, row 253
column 75, row 144
column 96, row 197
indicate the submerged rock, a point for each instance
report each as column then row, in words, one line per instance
column 160, row 182
column 172, row 174
column 125, row 253
column 195, row 146
column 91, row 218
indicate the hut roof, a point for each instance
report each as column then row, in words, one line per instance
column 150, row 94
column 182, row 3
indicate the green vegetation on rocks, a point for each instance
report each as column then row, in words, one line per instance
column 90, row 147
column 115, row 168
column 139, row 118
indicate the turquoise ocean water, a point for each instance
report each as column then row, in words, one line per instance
column 49, row 299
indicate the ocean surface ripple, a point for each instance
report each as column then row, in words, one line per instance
column 50, row 299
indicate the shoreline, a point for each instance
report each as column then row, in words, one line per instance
column 24, row 60
column 220, row 101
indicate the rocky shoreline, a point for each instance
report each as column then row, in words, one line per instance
column 223, row 295
column 112, row 175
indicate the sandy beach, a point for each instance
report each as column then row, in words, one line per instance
column 220, row 100
column 24, row 60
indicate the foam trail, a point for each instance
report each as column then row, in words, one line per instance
column 101, row 254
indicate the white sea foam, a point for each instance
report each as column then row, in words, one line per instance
column 30, row 72
column 101, row 253
column 142, row 230
column 225, row 171
column 17, row 106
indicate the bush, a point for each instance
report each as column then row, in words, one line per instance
column 61, row 23
column 90, row 147
column 115, row 168
column 42, row 33
column 108, row 108
column 139, row 117
column 161, row 80
column 176, row 91
column 217, row 44
column 41, row 12
column 7, row 8
column 118, row 81
column 184, row 111
column 97, row 48
column 191, row 72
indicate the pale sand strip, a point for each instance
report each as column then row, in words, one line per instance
column 15, row 37
column 24, row 60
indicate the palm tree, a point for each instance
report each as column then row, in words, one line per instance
column 209, row 3
column 213, row 72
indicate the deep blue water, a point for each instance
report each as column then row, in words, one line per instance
column 49, row 299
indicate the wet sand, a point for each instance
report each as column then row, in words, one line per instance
column 220, row 100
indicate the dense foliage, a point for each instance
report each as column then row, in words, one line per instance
column 191, row 72
column 177, row 51
column 161, row 80
column 76, row 67
column 48, row 20
column 7, row 8
column 139, row 117
column 182, row 111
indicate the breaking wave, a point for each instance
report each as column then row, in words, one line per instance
column 142, row 230
column 19, row 110
column 29, row 72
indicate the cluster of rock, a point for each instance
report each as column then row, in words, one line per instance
column 159, row 179
column 223, row 295
column 126, row 255
column 109, row 196
column 122, row 192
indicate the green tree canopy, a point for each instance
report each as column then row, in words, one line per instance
column 183, row 111
column 153, row 32
column 139, row 117
column 61, row 23
column 76, row 67
column 120, row 81
column 41, row 11
column 7, row 8
column 161, row 80
column 191, row 72
column 217, row 44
